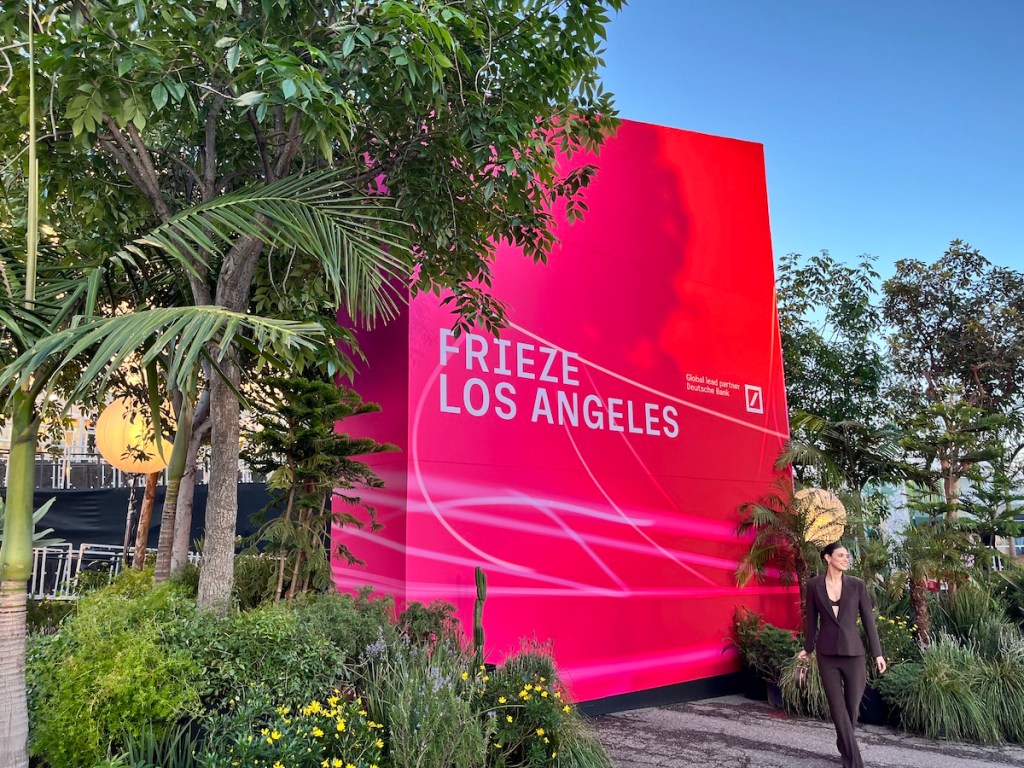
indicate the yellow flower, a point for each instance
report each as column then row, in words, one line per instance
column 349, row 765
column 275, row 734
column 527, row 687
column 540, row 731
column 544, row 694
column 558, row 694
column 264, row 732
column 546, row 740
column 508, row 718
column 379, row 743
column 362, row 713
column 497, row 746
column 554, row 755
column 341, row 725
column 333, row 701
column 465, row 675
column 278, row 764
column 317, row 732
column 485, row 678
column 566, row 708
column 336, row 763
column 325, row 764
column 543, row 679
column 502, row 699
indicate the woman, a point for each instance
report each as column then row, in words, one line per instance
column 834, row 600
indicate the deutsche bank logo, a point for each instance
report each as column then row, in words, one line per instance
column 754, row 398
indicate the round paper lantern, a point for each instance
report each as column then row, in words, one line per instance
column 123, row 441
column 825, row 513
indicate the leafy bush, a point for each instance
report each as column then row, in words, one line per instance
column 802, row 690
column 333, row 732
column 1008, row 585
column 762, row 646
column 1001, row 687
column 111, row 671
column 971, row 614
column 426, row 624
column 172, row 747
column 266, row 655
column 187, row 577
column 939, row 697
column 45, row 616
column 426, row 699
column 897, row 637
column 255, row 579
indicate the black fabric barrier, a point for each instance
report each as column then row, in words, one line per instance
column 97, row 516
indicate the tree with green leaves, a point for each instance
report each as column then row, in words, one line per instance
column 451, row 112
column 829, row 318
column 308, row 465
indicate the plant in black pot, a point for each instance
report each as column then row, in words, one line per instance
column 764, row 648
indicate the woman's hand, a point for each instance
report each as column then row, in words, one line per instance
column 881, row 665
column 803, row 655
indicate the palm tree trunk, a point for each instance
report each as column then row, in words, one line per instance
column 145, row 518
column 186, row 494
column 15, row 569
column 175, row 470
column 919, row 603
column 217, row 575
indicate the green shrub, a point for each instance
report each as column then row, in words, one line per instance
column 971, row 615
column 110, row 671
column 1008, row 585
column 939, row 698
column 45, row 616
column 426, row 624
column 266, row 655
column 765, row 648
column 187, row 577
column 801, row 689
column 331, row 730
column 1001, row 686
column 255, row 579
column 897, row 636
column 425, row 697
column 170, row 747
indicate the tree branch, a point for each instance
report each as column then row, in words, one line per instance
column 208, row 186
column 290, row 148
column 146, row 162
column 261, row 142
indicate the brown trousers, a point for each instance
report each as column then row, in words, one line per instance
column 844, row 679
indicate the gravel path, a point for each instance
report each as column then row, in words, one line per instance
column 734, row 732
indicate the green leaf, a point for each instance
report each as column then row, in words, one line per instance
column 124, row 65
column 249, row 98
column 234, row 53
column 224, row 42
column 288, row 88
column 159, row 95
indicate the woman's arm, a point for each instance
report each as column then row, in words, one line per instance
column 810, row 618
column 867, row 618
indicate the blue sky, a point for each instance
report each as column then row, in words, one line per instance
column 889, row 128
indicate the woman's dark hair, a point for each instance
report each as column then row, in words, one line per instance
column 831, row 548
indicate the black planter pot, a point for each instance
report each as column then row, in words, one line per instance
column 873, row 709
column 754, row 686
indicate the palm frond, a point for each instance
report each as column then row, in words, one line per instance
column 182, row 335
column 361, row 244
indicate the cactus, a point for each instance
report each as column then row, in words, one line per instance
column 478, row 617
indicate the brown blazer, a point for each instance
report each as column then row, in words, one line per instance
column 833, row 636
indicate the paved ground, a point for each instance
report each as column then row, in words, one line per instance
column 734, row 732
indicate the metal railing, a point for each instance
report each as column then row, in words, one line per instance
column 58, row 571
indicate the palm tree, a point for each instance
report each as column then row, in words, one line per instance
column 780, row 530
column 932, row 550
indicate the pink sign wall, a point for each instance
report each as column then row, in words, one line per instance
column 593, row 457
